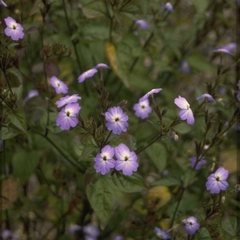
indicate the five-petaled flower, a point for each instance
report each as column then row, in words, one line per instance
column 142, row 109
column 67, row 99
column 126, row 160
column 190, row 225
column 146, row 96
column 68, row 116
column 59, row 85
column 116, row 120
column 162, row 234
column 186, row 112
column 217, row 181
column 104, row 161
column 13, row 29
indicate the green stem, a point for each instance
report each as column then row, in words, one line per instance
column 176, row 209
column 149, row 144
column 59, row 150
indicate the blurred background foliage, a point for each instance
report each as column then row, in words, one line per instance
column 47, row 175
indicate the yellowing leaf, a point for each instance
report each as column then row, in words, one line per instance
column 10, row 191
column 157, row 197
column 114, row 62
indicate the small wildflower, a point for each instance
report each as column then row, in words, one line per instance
column 142, row 109
column 116, row 120
column 185, row 68
column 206, row 96
column 227, row 48
column 102, row 65
column 126, row 160
column 104, row 161
column 3, row 3
column 117, row 237
column 168, row 6
column 142, row 24
column 162, row 234
column 186, row 112
column 91, row 230
column 217, row 181
column 31, row 94
column 13, row 29
column 67, row 99
column 59, row 85
column 200, row 163
column 74, row 228
column 6, row 234
column 89, row 73
column 67, row 117
column 146, row 96
column 190, row 225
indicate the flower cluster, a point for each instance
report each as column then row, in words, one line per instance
column 13, row 29
column 126, row 160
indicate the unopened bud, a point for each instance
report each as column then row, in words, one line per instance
column 237, row 188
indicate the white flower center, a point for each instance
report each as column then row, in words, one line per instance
column 188, row 106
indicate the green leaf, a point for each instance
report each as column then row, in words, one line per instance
column 17, row 118
column 229, row 224
column 200, row 5
column 8, row 132
column 18, row 91
column 124, row 183
column 24, row 164
column 183, row 128
column 200, row 63
column 170, row 181
column 187, row 177
column 16, row 73
column 203, row 234
column 158, row 155
column 102, row 198
column 144, row 6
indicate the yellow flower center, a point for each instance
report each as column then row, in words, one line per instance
column 68, row 113
column 125, row 158
column 14, row 27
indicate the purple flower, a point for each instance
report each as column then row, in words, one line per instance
column 67, row 99
column 126, row 160
column 91, row 230
column 168, row 6
column 104, row 161
column 6, row 234
column 155, row 90
column 185, row 68
column 89, row 237
column 190, row 225
column 3, row 3
column 206, row 95
column 31, row 94
column 163, row 234
column 116, row 120
column 142, row 24
column 89, row 73
column 102, row 65
column 117, row 237
column 74, row 228
column 13, row 29
column 199, row 164
column 186, row 112
column 67, row 117
column 227, row 48
column 217, row 181
column 142, row 109
column 59, row 85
